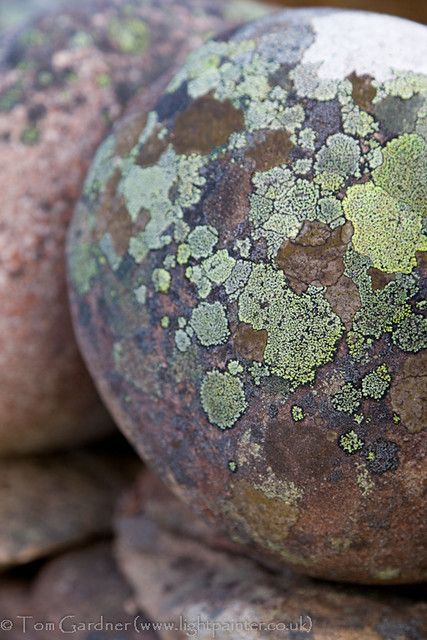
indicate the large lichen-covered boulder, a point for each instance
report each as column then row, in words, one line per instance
column 248, row 285
column 64, row 78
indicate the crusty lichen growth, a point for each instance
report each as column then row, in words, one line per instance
column 302, row 330
column 332, row 171
column 223, row 398
column 392, row 206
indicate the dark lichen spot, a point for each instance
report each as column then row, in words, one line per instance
column 172, row 103
column 382, row 456
column 36, row 112
column 324, row 118
column 205, row 124
column 396, row 115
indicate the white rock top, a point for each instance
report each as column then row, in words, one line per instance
column 367, row 43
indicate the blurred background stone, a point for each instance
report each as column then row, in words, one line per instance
column 50, row 503
column 86, row 585
column 65, row 76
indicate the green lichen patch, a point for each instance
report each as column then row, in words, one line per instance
column 297, row 413
column 392, row 206
column 302, row 330
column 223, row 398
column 161, row 280
column 350, row 442
column 376, row 384
column 347, row 399
column 209, row 321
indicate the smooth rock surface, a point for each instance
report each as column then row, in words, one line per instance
column 248, row 288
column 50, row 503
column 83, row 593
column 181, row 578
column 63, row 79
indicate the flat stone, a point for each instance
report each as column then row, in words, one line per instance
column 83, row 592
column 50, row 503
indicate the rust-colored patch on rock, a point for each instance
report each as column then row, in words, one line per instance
column 226, row 207
column 250, row 343
column 379, row 278
column 344, row 299
column 267, row 518
column 363, row 91
column 316, row 255
column 206, row 124
column 409, row 393
column 272, row 150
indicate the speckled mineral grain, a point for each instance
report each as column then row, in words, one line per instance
column 249, row 289
column 63, row 79
column 185, row 578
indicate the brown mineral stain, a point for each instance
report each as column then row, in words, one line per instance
column 250, row 343
column 152, row 150
column 379, row 278
column 117, row 222
column 344, row 299
column 272, row 150
column 316, row 255
column 226, row 207
column 363, row 91
column 267, row 519
column 409, row 393
column 206, row 124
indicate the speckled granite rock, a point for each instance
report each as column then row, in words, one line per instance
column 49, row 503
column 84, row 593
column 179, row 576
column 249, row 289
column 63, row 79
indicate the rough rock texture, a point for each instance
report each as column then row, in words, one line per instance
column 248, row 285
column 49, row 503
column 179, row 576
column 63, row 79
column 84, row 593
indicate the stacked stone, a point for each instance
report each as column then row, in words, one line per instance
column 247, row 271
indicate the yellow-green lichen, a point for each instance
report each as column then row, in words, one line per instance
column 297, row 413
column 202, row 240
column 219, row 266
column 130, row 35
column 302, row 330
column 376, row 383
column 347, row 399
column 392, row 207
column 161, row 280
column 338, row 159
column 350, row 442
column 210, row 323
column 223, row 398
